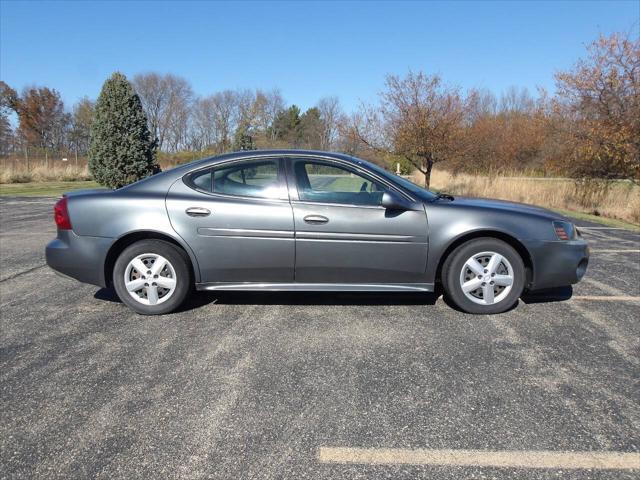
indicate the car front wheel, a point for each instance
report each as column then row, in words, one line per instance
column 152, row 277
column 484, row 276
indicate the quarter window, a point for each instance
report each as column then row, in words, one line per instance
column 202, row 180
column 329, row 183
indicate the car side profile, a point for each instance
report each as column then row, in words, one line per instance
column 307, row 221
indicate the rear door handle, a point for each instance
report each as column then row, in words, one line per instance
column 198, row 212
column 316, row 219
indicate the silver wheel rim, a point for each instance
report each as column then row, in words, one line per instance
column 486, row 278
column 150, row 279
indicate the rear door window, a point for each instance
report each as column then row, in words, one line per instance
column 258, row 178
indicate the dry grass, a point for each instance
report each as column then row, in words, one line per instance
column 619, row 200
column 14, row 170
column 40, row 173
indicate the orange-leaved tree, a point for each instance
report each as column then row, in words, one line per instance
column 419, row 118
column 600, row 97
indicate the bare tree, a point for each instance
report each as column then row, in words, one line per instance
column 244, row 112
column 154, row 95
column 166, row 100
column 224, row 107
column 203, row 124
column 516, row 100
column 268, row 105
column 79, row 134
column 331, row 116
column 481, row 103
column 178, row 117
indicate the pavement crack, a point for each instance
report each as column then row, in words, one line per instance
column 19, row 274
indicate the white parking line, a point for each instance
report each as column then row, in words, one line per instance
column 604, row 286
column 597, row 236
column 599, row 228
column 606, row 250
column 607, row 298
column 481, row 458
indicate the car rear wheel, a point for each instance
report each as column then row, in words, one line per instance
column 484, row 276
column 152, row 277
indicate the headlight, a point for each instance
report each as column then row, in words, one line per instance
column 564, row 230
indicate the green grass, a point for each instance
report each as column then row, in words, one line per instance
column 344, row 184
column 338, row 183
column 609, row 222
column 43, row 189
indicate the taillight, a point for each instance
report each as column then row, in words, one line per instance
column 61, row 214
column 564, row 230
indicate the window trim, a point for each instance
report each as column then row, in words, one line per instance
column 282, row 180
column 330, row 161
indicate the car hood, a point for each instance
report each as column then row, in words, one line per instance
column 502, row 205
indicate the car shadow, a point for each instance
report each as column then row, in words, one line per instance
column 310, row 298
column 107, row 295
column 549, row 295
column 200, row 299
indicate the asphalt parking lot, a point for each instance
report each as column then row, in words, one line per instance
column 315, row 386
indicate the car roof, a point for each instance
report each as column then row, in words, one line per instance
column 266, row 153
column 165, row 178
column 277, row 152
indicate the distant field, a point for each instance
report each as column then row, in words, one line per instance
column 617, row 200
column 43, row 189
column 620, row 201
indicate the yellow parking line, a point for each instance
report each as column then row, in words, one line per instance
column 607, row 298
column 482, row 458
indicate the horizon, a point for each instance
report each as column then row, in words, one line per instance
column 342, row 53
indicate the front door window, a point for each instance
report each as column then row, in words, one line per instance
column 329, row 183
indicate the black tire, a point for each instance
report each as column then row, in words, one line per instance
column 178, row 259
column 455, row 262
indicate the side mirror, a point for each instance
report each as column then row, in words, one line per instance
column 393, row 201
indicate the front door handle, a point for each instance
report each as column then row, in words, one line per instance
column 316, row 219
column 198, row 212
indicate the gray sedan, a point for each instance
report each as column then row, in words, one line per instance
column 312, row 221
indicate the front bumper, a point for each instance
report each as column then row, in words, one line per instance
column 79, row 257
column 557, row 263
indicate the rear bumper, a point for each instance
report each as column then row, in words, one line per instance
column 79, row 257
column 557, row 263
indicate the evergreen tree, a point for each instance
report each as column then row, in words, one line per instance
column 311, row 129
column 121, row 149
column 286, row 126
column 242, row 140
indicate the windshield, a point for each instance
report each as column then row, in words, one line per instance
column 423, row 193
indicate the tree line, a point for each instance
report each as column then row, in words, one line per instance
column 590, row 128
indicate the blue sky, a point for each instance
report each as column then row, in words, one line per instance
column 307, row 49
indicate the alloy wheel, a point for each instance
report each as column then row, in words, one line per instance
column 486, row 278
column 150, row 279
